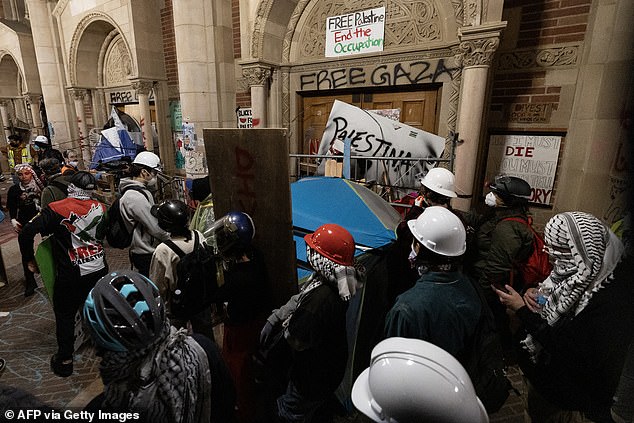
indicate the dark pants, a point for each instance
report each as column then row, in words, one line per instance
column 142, row 263
column 29, row 277
column 294, row 407
column 68, row 297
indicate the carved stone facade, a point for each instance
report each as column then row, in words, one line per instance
column 478, row 52
column 256, row 75
column 553, row 57
column 142, row 87
column 408, row 23
column 117, row 66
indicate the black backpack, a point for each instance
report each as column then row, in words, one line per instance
column 484, row 360
column 118, row 236
column 196, row 279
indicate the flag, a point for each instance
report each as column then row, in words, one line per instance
column 117, row 121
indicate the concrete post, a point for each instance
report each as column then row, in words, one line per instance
column 477, row 46
column 4, row 113
column 257, row 77
column 143, row 89
column 78, row 96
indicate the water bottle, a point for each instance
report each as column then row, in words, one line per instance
column 542, row 294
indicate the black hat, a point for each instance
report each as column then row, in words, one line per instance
column 83, row 180
column 172, row 215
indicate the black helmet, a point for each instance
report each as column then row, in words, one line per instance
column 124, row 311
column 235, row 229
column 50, row 166
column 511, row 189
column 171, row 214
column 83, row 180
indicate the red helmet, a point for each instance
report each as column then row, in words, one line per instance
column 334, row 242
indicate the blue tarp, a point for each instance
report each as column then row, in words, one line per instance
column 316, row 201
column 114, row 144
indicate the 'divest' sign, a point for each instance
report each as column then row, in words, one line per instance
column 355, row 33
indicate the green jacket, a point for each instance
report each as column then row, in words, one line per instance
column 499, row 244
column 55, row 190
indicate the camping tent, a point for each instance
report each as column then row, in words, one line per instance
column 114, row 144
column 372, row 223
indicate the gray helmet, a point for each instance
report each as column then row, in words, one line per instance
column 511, row 189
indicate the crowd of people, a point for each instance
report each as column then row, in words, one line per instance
column 571, row 334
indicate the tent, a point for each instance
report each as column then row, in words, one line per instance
column 372, row 223
column 114, row 144
column 369, row 218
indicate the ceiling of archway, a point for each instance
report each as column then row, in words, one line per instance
column 409, row 22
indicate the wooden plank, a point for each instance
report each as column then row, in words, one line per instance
column 248, row 171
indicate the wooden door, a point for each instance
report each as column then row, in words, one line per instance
column 417, row 108
column 314, row 118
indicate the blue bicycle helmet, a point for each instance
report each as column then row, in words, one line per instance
column 124, row 311
column 235, row 229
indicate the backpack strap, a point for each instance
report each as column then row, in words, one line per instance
column 174, row 248
column 136, row 188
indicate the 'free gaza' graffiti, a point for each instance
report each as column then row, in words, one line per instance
column 383, row 75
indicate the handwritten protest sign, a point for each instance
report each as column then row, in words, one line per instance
column 378, row 136
column 530, row 157
column 355, row 33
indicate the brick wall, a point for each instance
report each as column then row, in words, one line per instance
column 243, row 99
column 169, row 44
column 542, row 23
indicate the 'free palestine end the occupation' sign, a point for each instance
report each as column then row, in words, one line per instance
column 355, row 33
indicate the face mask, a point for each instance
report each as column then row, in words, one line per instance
column 490, row 200
column 36, row 147
column 73, row 163
column 564, row 267
column 412, row 256
column 152, row 182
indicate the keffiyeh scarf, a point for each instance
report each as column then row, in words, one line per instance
column 182, row 379
column 594, row 254
column 347, row 278
column 35, row 185
column 79, row 193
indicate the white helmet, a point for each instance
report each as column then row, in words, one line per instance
column 410, row 380
column 440, row 231
column 42, row 140
column 440, row 180
column 148, row 159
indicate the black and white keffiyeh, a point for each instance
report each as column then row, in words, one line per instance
column 78, row 193
column 586, row 253
column 347, row 278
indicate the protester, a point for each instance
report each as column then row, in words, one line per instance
column 578, row 324
column 18, row 152
column 437, row 189
column 314, row 324
column 71, row 162
column 173, row 217
column 78, row 224
column 413, row 381
column 443, row 307
column 147, row 366
column 136, row 205
column 501, row 243
column 246, row 294
column 44, row 150
column 56, row 184
column 23, row 202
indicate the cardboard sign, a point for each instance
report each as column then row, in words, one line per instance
column 355, row 33
column 378, row 136
column 530, row 157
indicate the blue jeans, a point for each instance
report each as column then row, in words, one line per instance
column 294, row 407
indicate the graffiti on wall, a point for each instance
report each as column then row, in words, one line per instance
column 406, row 73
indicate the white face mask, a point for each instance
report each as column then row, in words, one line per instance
column 73, row 163
column 490, row 200
column 152, row 182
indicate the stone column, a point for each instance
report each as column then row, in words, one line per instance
column 33, row 100
column 4, row 113
column 257, row 77
column 78, row 95
column 477, row 46
column 143, row 88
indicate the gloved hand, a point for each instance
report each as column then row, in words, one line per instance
column 265, row 335
column 17, row 226
column 420, row 200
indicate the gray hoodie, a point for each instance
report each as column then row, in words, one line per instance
column 135, row 208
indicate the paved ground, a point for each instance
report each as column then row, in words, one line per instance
column 27, row 341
